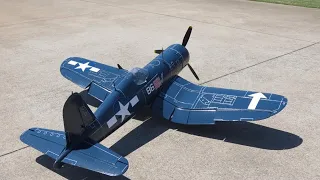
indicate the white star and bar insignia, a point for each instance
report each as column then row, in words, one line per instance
column 83, row 66
column 123, row 112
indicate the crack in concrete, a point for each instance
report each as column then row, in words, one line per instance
column 204, row 22
column 262, row 62
column 11, row 152
column 110, row 5
column 41, row 19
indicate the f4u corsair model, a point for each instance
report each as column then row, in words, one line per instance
column 123, row 93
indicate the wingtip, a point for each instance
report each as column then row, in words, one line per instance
column 123, row 166
column 282, row 105
column 25, row 134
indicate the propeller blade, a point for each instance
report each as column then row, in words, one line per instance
column 187, row 36
column 193, row 72
column 158, row 51
column 119, row 67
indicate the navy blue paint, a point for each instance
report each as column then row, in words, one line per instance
column 94, row 156
column 222, row 104
column 177, row 100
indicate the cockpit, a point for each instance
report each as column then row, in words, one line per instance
column 140, row 75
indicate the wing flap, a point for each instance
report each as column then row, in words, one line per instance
column 92, row 156
column 98, row 92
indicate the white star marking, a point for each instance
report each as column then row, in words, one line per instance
column 83, row 66
column 123, row 111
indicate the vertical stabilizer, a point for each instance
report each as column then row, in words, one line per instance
column 76, row 116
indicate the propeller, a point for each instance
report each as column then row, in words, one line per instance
column 193, row 72
column 187, row 36
column 119, row 67
column 184, row 43
column 158, row 51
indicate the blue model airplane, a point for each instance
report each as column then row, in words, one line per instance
column 122, row 93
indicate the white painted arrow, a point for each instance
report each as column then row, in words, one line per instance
column 255, row 100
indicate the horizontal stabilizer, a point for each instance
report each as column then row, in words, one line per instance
column 89, row 155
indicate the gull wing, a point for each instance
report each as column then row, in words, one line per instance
column 99, row 78
column 184, row 102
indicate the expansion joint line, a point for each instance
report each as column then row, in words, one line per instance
column 262, row 62
column 11, row 152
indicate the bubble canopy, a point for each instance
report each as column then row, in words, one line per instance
column 140, row 75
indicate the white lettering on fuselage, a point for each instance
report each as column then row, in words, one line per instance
column 154, row 85
column 150, row 88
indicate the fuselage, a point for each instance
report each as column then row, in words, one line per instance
column 137, row 89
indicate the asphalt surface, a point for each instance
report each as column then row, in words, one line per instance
column 234, row 44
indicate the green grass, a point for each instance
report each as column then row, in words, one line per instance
column 303, row 3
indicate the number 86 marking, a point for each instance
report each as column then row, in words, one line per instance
column 150, row 89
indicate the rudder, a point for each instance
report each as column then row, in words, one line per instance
column 76, row 117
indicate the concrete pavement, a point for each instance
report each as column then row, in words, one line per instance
column 234, row 44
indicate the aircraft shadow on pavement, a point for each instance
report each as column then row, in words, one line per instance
column 242, row 133
column 73, row 172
